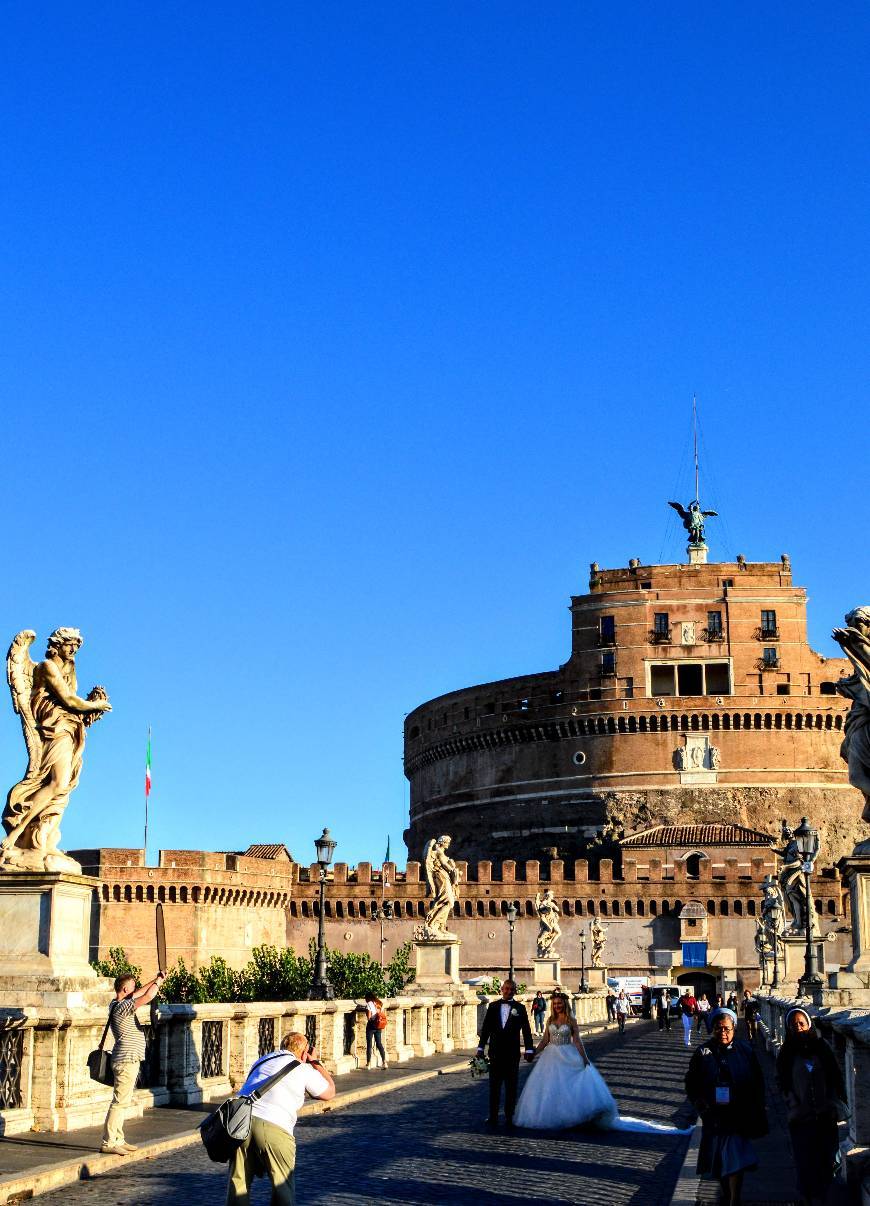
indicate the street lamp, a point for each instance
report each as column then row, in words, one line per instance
column 382, row 913
column 321, row 989
column 807, row 839
column 583, row 985
column 512, row 915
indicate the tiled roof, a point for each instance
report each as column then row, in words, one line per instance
column 697, row 835
column 278, row 850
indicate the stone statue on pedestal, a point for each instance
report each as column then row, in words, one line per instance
column 854, row 640
column 442, row 878
column 549, row 930
column 772, row 913
column 791, row 883
column 598, row 933
column 53, row 720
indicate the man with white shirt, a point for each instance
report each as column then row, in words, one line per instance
column 270, row 1149
column 505, row 1024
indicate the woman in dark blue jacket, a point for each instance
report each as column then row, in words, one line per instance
column 726, row 1085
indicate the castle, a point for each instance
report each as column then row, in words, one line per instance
column 690, row 695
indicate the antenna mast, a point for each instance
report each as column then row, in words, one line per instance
column 695, row 437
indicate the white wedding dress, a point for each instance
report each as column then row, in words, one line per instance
column 561, row 1091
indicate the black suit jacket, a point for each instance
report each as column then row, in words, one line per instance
column 504, row 1043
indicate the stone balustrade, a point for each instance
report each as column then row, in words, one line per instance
column 200, row 1052
column 203, row 1052
column 848, row 1033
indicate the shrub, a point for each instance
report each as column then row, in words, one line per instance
column 116, row 965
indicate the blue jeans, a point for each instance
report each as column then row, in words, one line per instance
column 373, row 1034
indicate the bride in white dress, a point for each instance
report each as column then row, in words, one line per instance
column 565, row 1089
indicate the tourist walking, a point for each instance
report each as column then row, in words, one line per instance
column 539, row 1011
column 127, row 1055
column 811, row 1082
column 623, row 1009
column 732, row 1002
column 688, row 1009
column 376, row 1024
column 663, row 1008
column 750, row 1014
column 702, row 1013
column 725, row 1084
column 270, row 1148
column 610, row 1002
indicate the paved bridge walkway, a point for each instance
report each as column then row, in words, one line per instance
column 425, row 1143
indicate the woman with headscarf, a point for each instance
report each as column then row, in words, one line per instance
column 726, row 1085
column 811, row 1082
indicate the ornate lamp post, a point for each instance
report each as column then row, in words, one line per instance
column 321, row 989
column 382, row 913
column 584, row 987
column 512, row 915
column 807, row 839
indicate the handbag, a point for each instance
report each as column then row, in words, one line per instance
column 224, row 1131
column 100, row 1061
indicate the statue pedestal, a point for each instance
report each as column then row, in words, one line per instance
column 436, row 965
column 596, row 979
column 794, row 958
column 45, row 940
column 547, row 972
column 856, row 871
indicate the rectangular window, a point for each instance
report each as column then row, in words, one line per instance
column 607, row 630
column 594, row 694
column 690, row 679
column 717, row 677
column 629, row 688
column 556, row 696
column 714, row 623
column 660, row 623
column 646, row 586
column 783, row 689
column 662, row 680
column 608, row 663
column 770, row 658
column 726, row 582
column 768, row 624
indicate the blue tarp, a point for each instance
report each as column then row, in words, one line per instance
column 694, row 954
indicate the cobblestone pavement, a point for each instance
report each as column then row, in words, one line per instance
column 426, row 1144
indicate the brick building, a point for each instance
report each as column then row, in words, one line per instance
column 690, row 695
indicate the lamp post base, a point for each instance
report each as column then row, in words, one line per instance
column 321, row 992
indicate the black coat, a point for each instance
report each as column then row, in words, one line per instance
column 737, row 1066
column 504, row 1044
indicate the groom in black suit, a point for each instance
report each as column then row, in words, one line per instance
column 505, row 1023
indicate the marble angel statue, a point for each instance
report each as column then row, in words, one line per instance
column 549, row 930
column 53, row 720
column 854, row 640
column 442, row 877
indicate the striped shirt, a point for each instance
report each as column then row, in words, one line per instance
column 128, row 1034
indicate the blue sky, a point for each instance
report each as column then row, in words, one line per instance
column 339, row 339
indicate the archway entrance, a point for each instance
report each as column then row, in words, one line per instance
column 701, row 981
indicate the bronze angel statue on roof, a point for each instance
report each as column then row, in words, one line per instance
column 53, row 720
column 693, row 519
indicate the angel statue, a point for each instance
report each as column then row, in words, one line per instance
column 854, row 640
column 792, row 888
column 442, row 877
column 549, row 930
column 599, row 937
column 693, row 519
column 53, row 719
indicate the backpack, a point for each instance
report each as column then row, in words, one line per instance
column 380, row 1019
column 229, row 1126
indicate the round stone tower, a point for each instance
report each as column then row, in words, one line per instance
column 690, row 692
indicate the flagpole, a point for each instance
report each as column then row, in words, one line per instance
column 147, row 793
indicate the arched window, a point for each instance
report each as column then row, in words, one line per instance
column 183, row 894
column 363, row 911
column 172, row 894
column 294, row 910
column 604, row 908
column 327, row 908
column 150, row 893
column 738, row 908
column 590, row 907
column 641, row 908
column 493, row 911
column 306, row 912
column 139, row 892
column 629, row 910
column 693, row 865
column 615, row 907
column 723, row 908
column 653, row 908
column 469, row 908
column 566, row 908
column 666, row 907
column 351, row 908
column 750, row 907
column 481, row 908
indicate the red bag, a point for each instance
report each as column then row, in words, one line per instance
column 380, row 1019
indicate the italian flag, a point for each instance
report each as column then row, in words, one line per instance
column 148, row 767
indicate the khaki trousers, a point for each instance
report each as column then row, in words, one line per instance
column 267, row 1152
column 125, row 1074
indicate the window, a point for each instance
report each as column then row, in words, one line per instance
column 827, row 689
column 717, row 677
column 556, row 696
column 714, row 624
column 690, row 679
column 693, row 865
column 646, row 586
column 662, row 680
column 660, row 623
column 726, row 582
column 608, row 663
column 489, row 708
column 607, row 630
column 629, row 688
column 768, row 625
column 783, row 689
column 769, row 657
column 524, row 705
